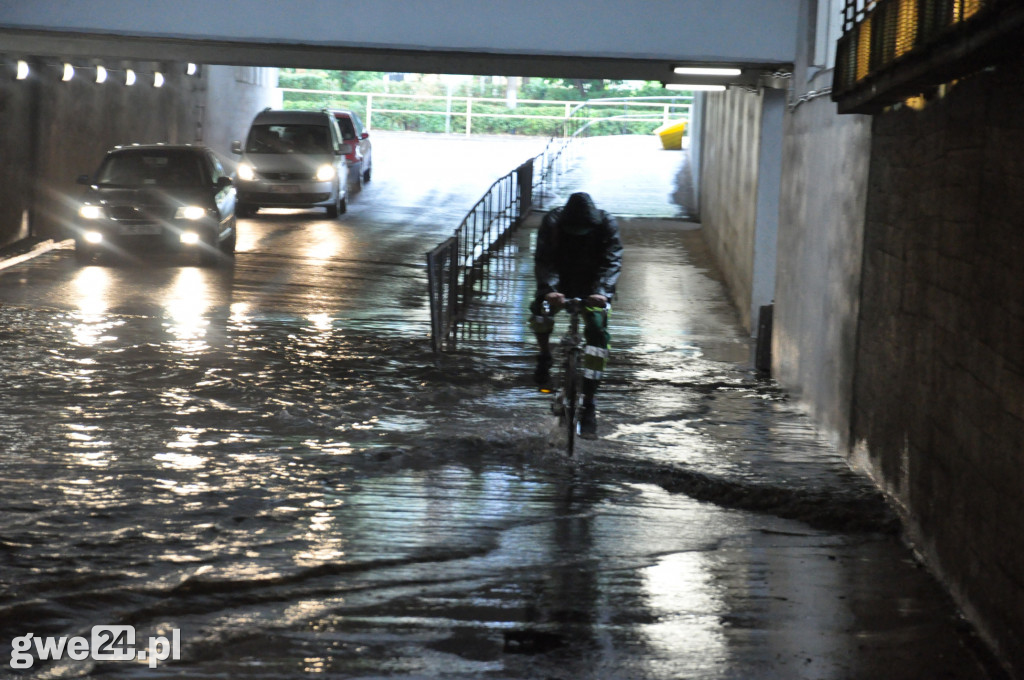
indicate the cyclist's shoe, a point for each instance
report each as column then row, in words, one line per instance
column 588, row 422
column 542, row 376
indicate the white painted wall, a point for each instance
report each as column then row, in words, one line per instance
column 238, row 94
column 743, row 30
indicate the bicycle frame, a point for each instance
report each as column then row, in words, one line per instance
column 569, row 398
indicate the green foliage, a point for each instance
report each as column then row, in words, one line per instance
column 390, row 113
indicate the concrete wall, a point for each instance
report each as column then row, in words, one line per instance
column 821, row 229
column 55, row 131
column 238, row 93
column 60, row 130
column 740, row 157
column 939, row 390
column 748, row 30
column 18, row 138
column 728, row 188
column 818, row 271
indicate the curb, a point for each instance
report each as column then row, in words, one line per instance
column 16, row 253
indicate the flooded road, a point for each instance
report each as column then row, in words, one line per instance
column 266, row 459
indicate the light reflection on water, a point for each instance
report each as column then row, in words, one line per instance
column 231, row 472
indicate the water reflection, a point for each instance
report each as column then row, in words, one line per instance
column 324, row 241
column 187, row 304
column 91, row 326
column 180, row 461
column 686, row 597
column 91, row 284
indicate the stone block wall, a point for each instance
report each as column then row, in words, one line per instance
column 728, row 189
column 938, row 395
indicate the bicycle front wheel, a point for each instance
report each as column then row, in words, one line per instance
column 572, row 399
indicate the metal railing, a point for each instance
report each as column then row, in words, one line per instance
column 894, row 49
column 456, row 265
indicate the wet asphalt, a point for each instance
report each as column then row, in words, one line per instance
column 266, row 457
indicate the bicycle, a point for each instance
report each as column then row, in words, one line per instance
column 568, row 400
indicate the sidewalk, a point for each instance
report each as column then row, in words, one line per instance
column 826, row 582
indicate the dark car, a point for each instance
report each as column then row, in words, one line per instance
column 360, row 158
column 157, row 197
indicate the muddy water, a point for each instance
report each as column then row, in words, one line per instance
column 266, row 458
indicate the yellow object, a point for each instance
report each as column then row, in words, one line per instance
column 671, row 134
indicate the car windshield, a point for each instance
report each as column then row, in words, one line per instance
column 289, row 139
column 151, row 168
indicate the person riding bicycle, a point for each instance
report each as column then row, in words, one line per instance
column 578, row 255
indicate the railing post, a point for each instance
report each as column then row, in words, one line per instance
column 369, row 111
column 525, row 182
column 469, row 115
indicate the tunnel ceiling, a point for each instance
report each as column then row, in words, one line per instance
column 612, row 39
column 59, row 45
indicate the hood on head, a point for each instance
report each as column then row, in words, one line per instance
column 580, row 215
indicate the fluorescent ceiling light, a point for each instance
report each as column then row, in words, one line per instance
column 101, row 74
column 706, row 71
column 69, row 72
column 22, row 70
column 694, row 88
column 191, row 69
column 129, row 77
column 158, row 79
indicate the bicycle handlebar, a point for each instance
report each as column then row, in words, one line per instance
column 571, row 305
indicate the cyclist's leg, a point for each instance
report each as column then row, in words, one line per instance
column 595, row 360
column 598, row 339
column 542, row 322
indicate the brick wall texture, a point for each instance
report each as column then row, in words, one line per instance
column 938, row 403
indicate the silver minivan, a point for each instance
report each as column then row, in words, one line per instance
column 292, row 159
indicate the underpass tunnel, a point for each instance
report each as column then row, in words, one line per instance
column 883, row 242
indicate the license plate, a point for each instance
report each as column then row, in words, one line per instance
column 285, row 188
column 139, row 229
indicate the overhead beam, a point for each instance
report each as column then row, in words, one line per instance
column 67, row 45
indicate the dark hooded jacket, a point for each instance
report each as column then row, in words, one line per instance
column 579, row 252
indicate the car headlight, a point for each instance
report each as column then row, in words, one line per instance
column 190, row 238
column 246, row 172
column 190, row 212
column 325, row 173
column 93, row 237
column 91, row 212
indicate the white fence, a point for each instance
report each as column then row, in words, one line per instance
column 461, row 111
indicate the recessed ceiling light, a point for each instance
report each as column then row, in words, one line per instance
column 692, row 88
column 706, row 71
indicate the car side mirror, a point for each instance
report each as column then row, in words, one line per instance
column 83, row 179
column 365, row 135
column 223, row 182
column 236, row 147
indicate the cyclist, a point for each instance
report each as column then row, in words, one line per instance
column 578, row 254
